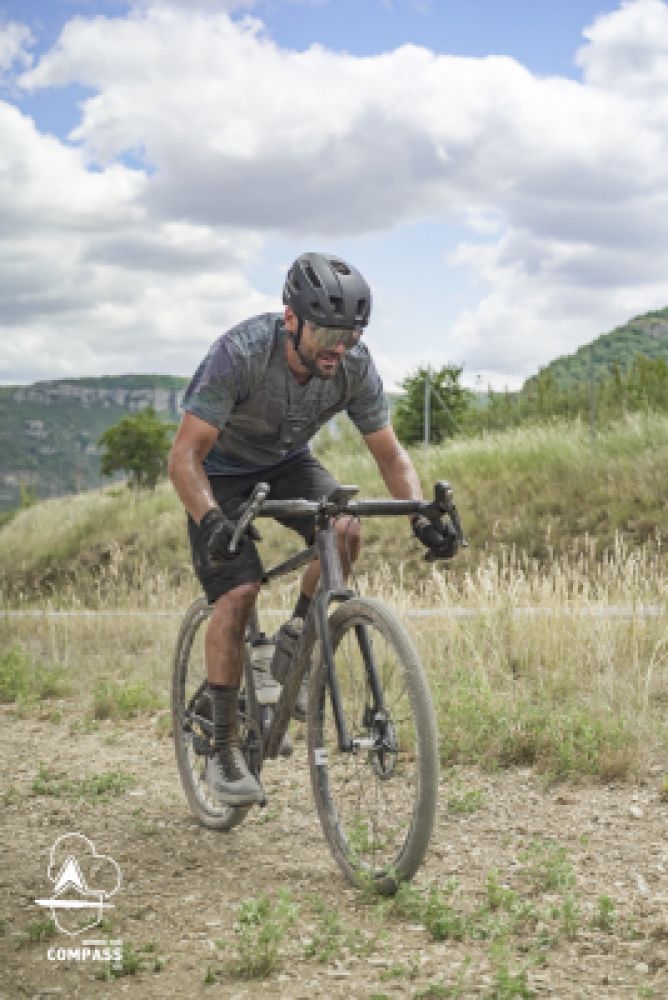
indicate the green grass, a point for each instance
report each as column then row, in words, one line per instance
column 38, row 930
column 93, row 788
column 23, row 680
column 113, row 700
column 260, row 929
column 498, row 729
column 519, row 918
column 539, row 490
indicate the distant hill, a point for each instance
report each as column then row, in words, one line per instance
column 49, row 431
column 646, row 335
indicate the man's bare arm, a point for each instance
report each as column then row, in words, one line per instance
column 194, row 439
column 394, row 465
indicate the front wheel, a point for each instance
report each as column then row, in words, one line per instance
column 377, row 798
column 192, row 723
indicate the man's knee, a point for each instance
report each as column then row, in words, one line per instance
column 349, row 531
column 239, row 600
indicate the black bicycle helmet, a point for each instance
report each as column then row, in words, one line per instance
column 325, row 290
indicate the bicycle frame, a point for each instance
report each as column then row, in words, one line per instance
column 332, row 588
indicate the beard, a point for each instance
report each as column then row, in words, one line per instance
column 323, row 364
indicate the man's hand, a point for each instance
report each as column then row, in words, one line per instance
column 439, row 537
column 217, row 531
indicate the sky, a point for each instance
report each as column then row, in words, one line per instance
column 497, row 170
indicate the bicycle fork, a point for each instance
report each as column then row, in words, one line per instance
column 332, row 588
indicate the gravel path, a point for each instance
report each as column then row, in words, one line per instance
column 560, row 892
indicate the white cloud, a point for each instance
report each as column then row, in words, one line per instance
column 15, row 40
column 89, row 283
column 627, row 50
column 560, row 183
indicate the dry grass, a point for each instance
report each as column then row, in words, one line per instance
column 539, row 670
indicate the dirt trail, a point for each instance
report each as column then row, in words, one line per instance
column 182, row 885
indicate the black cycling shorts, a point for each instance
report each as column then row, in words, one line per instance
column 301, row 477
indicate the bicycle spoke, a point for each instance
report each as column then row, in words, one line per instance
column 372, row 806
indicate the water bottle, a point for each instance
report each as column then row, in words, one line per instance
column 267, row 690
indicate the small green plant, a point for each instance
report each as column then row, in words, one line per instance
column 328, row 941
column 466, row 802
column 163, row 726
column 440, row 919
column 123, row 701
column 22, row 680
column 548, row 867
column 10, row 796
column 400, row 971
column 570, row 917
column 260, row 930
column 39, row 930
column 604, row 915
column 210, row 976
column 56, row 784
column 83, row 727
column 133, row 960
column 663, row 789
column 510, row 986
column 144, row 827
column 408, row 902
column 499, row 897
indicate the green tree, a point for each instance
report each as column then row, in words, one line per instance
column 138, row 445
column 449, row 402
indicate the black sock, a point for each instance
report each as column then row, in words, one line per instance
column 302, row 606
column 224, row 702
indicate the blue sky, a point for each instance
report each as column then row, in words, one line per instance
column 495, row 169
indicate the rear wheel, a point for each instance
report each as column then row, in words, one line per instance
column 192, row 722
column 376, row 802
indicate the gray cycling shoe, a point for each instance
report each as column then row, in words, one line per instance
column 228, row 777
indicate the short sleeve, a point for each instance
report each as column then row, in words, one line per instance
column 217, row 386
column 367, row 407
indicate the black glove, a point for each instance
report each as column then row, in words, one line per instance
column 439, row 537
column 216, row 532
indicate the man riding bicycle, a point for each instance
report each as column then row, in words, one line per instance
column 256, row 400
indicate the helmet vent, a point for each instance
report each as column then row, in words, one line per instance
column 312, row 277
column 339, row 266
column 337, row 303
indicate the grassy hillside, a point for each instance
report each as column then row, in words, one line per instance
column 50, row 443
column 532, row 675
column 646, row 335
column 537, row 504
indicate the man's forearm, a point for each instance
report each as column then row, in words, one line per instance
column 401, row 477
column 191, row 482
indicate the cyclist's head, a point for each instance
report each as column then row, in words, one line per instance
column 326, row 291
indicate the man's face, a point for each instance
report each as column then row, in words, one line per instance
column 324, row 347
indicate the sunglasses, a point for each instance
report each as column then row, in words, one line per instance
column 327, row 337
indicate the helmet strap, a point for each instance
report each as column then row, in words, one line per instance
column 300, row 330
column 308, row 363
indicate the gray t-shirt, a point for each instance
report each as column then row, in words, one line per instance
column 245, row 388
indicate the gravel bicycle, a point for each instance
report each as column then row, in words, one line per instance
column 371, row 729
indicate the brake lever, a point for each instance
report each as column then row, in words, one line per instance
column 444, row 503
column 257, row 498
